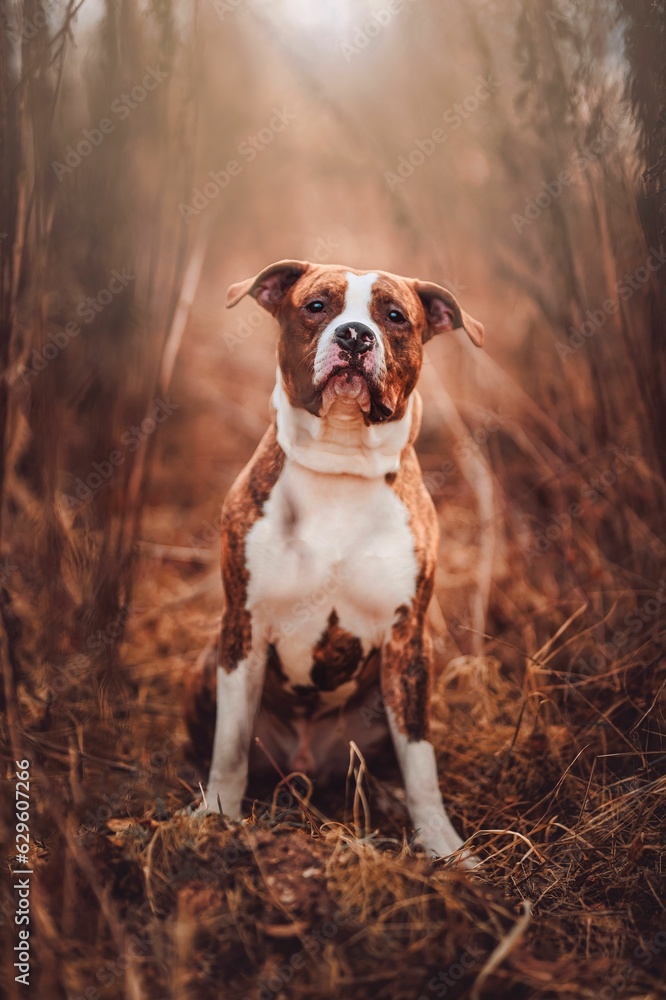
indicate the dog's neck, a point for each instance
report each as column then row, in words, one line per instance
column 341, row 442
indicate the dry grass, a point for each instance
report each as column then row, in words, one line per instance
column 554, row 769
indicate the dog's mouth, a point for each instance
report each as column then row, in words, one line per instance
column 348, row 385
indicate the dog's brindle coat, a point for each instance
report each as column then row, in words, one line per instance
column 329, row 543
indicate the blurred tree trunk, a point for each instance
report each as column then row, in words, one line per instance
column 62, row 235
column 645, row 36
column 11, row 191
column 12, row 201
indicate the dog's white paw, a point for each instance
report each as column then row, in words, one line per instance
column 198, row 810
column 450, row 849
column 466, row 860
column 191, row 811
column 206, row 809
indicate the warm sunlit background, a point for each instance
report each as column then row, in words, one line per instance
column 154, row 153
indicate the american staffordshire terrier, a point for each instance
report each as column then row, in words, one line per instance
column 329, row 545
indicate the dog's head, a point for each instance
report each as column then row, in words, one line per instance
column 354, row 337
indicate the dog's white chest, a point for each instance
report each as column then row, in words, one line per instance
column 328, row 545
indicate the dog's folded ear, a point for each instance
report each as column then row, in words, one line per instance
column 270, row 286
column 443, row 313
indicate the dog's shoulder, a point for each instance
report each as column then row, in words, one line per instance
column 407, row 483
column 243, row 507
column 246, row 498
column 241, row 510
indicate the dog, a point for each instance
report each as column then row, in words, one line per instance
column 329, row 546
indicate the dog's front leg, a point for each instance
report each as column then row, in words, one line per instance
column 406, row 687
column 238, row 696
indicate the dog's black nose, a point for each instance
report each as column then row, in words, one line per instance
column 355, row 338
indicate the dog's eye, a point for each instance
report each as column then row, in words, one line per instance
column 396, row 316
column 315, row 307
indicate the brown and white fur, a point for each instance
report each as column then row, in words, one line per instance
column 329, row 544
